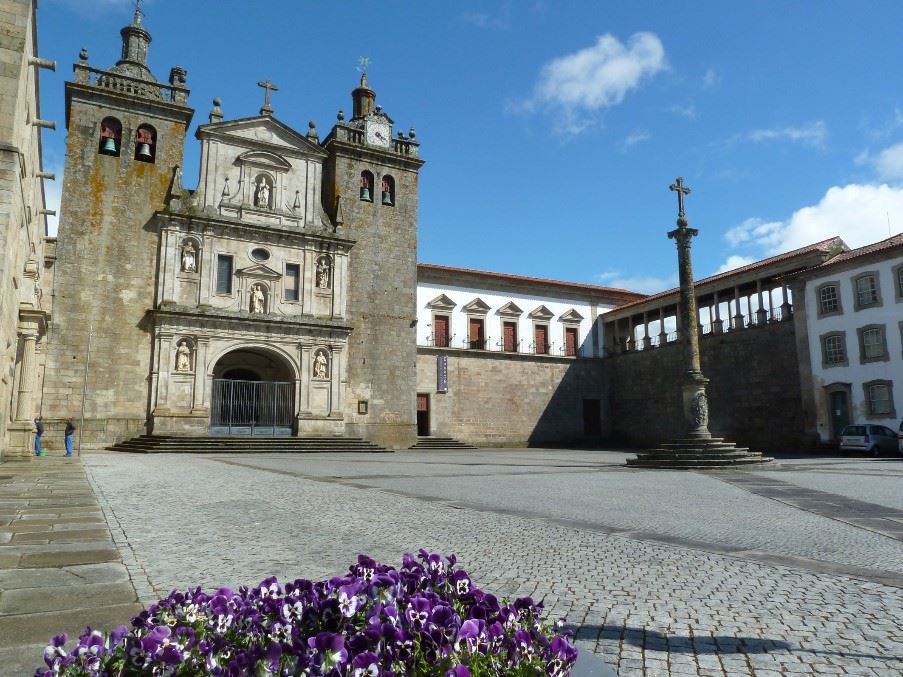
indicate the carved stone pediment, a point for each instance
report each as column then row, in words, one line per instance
column 477, row 307
column 541, row 313
column 511, row 309
column 571, row 316
column 441, row 302
column 262, row 131
column 259, row 271
column 265, row 160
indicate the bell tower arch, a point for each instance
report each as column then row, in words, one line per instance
column 125, row 142
column 382, row 351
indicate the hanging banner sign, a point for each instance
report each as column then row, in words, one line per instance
column 442, row 373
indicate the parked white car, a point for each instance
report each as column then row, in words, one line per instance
column 874, row 440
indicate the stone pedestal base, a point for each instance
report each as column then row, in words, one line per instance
column 319, row 425
column 21, row 441
column 173, row 423
column 690, row 453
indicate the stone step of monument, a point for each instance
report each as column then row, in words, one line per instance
column 696, row 463
column 698, row 453
column 440, row 443
column 153, row 444
column 718, row 446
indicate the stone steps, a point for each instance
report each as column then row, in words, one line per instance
column 173, row 444
column 691, row 453
column 440, row 443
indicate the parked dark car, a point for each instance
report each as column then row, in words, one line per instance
column 875, row 440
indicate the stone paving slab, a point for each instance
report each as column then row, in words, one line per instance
column 59, row 568
column 646, row 606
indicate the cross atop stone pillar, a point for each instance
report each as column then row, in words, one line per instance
column 695, row 448
column 268, row 86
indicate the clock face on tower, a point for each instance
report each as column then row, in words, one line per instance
column 378, row 134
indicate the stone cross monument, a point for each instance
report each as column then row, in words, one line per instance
column 695, row 448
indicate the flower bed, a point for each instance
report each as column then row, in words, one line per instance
column 426, row 618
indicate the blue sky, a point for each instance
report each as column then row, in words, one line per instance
column 553, row 130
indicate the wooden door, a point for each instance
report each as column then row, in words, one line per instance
column 570, row 341
column 440, row 331
column 840, row 412
column 541, row 339
column 476, row 333
column 509, row 336
column 423, row 415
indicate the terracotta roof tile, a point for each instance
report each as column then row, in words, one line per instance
column 824, row 247
column 889, row 243
column 523, row 278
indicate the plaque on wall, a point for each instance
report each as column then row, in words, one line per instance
column 442, row 373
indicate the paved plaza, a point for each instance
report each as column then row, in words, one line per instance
column 792, row 570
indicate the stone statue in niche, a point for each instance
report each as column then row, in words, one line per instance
column 321, row 365
column 263, row 194
column 183, row 356
column 699, row 410
column 258, row 299
column 323, row 273
column 189, row 258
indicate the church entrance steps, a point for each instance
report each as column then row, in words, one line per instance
column 440, row 443
column 172, row 444
column 697, row 453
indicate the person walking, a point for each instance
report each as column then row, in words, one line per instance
column 70, row 433
column 38, row 432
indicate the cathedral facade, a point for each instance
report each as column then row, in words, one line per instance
column 262, row 303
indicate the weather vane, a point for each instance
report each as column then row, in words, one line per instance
column 138, row 12
column 362, row 63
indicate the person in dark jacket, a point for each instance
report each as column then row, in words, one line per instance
column 70, row 433
column 38, row 432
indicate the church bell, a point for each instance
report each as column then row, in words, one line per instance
column 365, row 193
column 387, row 197
column 144, row 151
column 109, row 145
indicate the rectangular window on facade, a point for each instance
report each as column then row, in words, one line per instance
column 440, row 331
column 292, row 281
column 899, row 282
column 570, row 341
column 828, row 299
column 833, row 350
column 509, row 337
column 223, row 274
column 879, row 399
column 541, row 339
column 873, row 346
column 475, row 335
column 866, row 291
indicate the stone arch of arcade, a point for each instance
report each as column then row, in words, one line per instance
column 253, row 391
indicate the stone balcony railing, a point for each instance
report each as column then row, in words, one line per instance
column 401, row 146
column 126, row 84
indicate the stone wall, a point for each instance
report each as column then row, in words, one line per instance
column 106, row 263
column 23, row 308
column 498, row 399
column 382, row 284
column 754, row 390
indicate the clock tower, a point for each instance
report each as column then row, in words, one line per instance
column 370, row 184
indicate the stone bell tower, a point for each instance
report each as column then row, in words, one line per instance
column 125, row 141
column 370, row 185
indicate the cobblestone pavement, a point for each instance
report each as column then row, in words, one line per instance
column 661, row 573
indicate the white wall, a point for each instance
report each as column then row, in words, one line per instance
column 889, row 314
column 427, row 292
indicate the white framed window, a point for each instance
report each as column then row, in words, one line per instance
column 866, row 290
column 834, row 351
column 879, row 398
column 828, row 299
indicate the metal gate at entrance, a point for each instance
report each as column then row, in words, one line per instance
column 263, row 408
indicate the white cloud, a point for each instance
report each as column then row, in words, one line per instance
column 642, row 284
column 858, row 213
column 810, row 134
column 711, row 79
column 889, row 162
column 600, row 76
column 734, row 261
column 684, row 111
column 635, row 137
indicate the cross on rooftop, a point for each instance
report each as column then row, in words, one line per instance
column 681, row 191
column 138, row 12
column 267, row 86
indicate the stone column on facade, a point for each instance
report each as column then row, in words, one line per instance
column 647, row 340
column 662, row 334
column 717, row 327
column 738, row 310
column 335, row 390
column 165, row 368
column 169, row 272
column 26, row 378
column 771, row 302
column 786, row 307
column 761, row 313
column 206, row 271
column 200, row 371
column 340, row 267
column 304, row 385
column 308, row 281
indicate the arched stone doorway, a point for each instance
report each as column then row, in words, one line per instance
column 253, row 393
